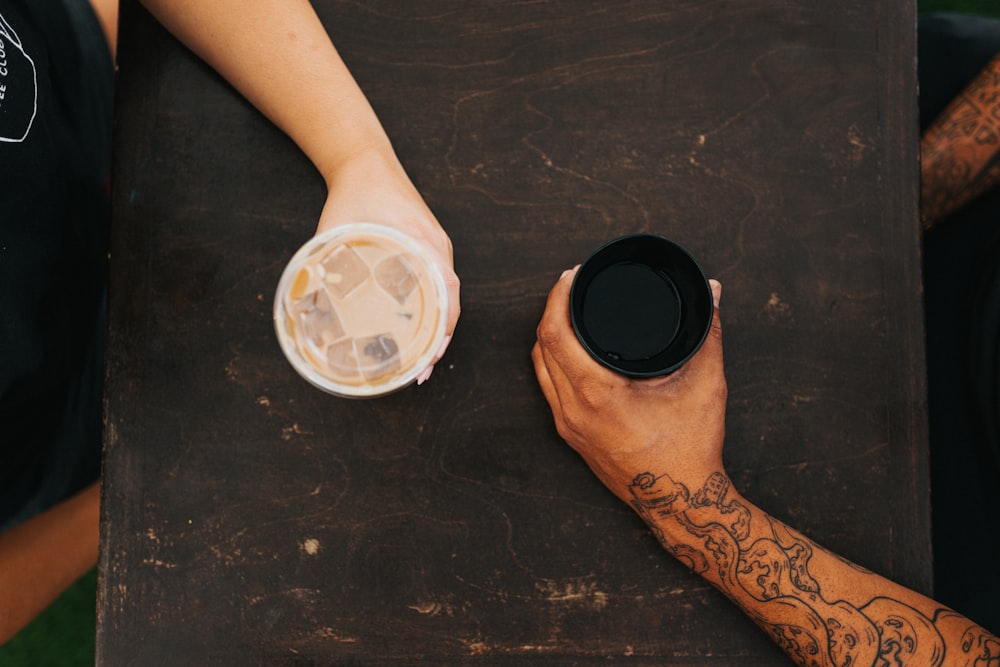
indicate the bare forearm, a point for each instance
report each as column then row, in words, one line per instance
column 41, row 557
column 279, row 56
column 821, row 609
column 960, row 151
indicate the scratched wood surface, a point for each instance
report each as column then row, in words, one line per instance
column 250, row 519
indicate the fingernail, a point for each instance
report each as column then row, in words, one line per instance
column 569, row 271
column 444, row 346
column 716, row 291
column 425, row 376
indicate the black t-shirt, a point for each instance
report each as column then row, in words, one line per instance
column 56, row 96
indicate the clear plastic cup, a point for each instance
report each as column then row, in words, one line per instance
column 361, row 310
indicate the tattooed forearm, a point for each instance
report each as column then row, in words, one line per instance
column 960, row 151
column 770, row 572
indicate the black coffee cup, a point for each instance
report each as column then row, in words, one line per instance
column 641, row 305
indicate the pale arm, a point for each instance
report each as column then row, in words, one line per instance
column 278, row 55
column 41, row 557
column 821, row 609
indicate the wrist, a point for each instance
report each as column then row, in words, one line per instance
column 683, row 516
column 364, row 160
column 659, row 497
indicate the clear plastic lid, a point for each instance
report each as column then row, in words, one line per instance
column 361, row 310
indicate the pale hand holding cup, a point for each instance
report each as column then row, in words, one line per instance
column 373, row 187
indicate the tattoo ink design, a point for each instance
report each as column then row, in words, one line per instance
column 980, row 648
column 765, row 571
column 960, row 151
column 904, row 633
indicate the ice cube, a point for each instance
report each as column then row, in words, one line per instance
column 396, row 276
column 317, row 320
column 342, row 358
column 377, row 355
column 343, row 270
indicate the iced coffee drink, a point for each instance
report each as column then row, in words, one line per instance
column 361, row 310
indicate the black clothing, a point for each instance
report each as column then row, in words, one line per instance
column 56, row 97
column 962, row 307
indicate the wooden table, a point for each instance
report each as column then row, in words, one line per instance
column 251, row 519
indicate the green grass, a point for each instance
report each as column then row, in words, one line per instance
column 64, row 635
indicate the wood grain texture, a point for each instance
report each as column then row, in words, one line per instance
column 250, row 519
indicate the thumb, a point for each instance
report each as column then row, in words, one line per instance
column 709, row 357
column 715, row 331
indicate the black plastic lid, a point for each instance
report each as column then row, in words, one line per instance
column 641, row 305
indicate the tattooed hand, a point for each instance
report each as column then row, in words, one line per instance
column 618, row 425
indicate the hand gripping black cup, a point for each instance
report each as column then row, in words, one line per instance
column 641, row 305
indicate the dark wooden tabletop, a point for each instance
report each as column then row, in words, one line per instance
column 250, row 519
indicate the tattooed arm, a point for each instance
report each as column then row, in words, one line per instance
column 960, row 151
column 821, row 609
column 667, row 465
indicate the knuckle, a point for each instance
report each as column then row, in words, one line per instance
column 722, row 390
column 549, row 336
column 565, row 430
column 572, row 429
column 589, row 397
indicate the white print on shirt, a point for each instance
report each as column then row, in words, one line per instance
column 18, row 87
